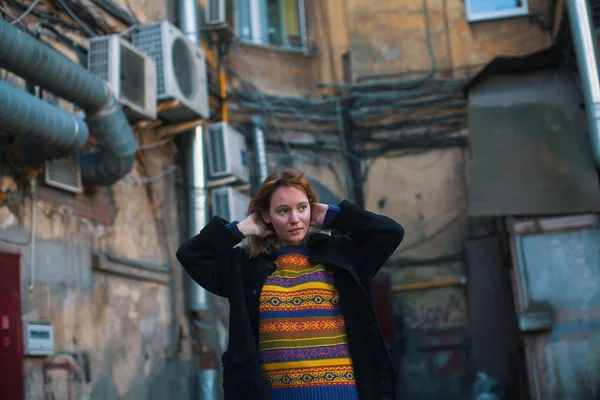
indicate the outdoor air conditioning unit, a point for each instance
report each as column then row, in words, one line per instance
column 219, row 13
column 180, row 70
column 230, row 204
column 130, row 73
column 227, row 155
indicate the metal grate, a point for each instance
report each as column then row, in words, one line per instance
column 98, row 57
column 214, row 10
column 149, row 39
column 64, row 173
column 217, row 149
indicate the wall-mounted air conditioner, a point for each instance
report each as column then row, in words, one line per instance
column 180, row 70
column 219, row 13
column 227, row 154
column 130, row 73
column 229, row 203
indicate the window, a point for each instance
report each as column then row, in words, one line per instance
column 482, row 10
column 271, row 22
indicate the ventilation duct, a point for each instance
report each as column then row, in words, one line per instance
column 38, row 63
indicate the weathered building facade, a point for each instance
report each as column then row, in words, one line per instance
column 98, row 266
column 366, row 97
column 367, row 50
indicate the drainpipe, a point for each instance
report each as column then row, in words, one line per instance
column 584, row 41
column 187, row 12
column 260, row 148
column 39, row 64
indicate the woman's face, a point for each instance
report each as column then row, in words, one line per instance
column 289, row 213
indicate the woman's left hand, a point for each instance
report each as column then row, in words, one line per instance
column 317, row 215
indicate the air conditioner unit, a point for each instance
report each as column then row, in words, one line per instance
column 219, row 13
column 230, row 204
column 227, row 154
column 180, row 70
column 130, row 73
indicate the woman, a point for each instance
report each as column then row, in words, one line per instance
column 302, row 322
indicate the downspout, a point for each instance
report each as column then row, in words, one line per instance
column 188, row 23
column 187, row 13
column 584, row 41
column 39, row 64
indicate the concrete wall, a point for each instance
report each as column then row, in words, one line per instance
column 389, row 37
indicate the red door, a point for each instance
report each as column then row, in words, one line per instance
column 11, row 342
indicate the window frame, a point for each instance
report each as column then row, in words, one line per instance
column 518, row 11
column 258, row 33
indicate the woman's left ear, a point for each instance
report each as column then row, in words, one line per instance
column 266, row 218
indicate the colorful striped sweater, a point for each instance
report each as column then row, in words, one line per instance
column 302, row 341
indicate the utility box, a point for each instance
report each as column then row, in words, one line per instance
column 39, row 338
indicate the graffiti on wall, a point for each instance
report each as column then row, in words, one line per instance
column 444, row 309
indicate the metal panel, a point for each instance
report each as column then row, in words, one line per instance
column 431, row 334
column 64, row 173
column 561, row 270
column 494, row 336
column 11, row 334
column 530, row 154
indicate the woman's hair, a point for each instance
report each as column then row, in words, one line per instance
column 262, row 201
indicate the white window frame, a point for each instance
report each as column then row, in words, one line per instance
column 258, row 16
column 518, row 11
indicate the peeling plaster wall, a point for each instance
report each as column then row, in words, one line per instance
column 128, row 327
column 129, row 333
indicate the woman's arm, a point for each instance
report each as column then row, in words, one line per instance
column 373, row 237
column 209, row 256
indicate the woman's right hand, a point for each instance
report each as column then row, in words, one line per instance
column 254, row 225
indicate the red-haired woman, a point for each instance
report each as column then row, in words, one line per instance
column 302, row 321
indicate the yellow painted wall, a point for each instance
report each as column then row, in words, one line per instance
column 389, row 36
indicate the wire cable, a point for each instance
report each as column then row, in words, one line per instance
column 30, row 9
column 68, row 9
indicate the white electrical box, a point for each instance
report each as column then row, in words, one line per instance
column 39, row 338
column 230, row 204
column 227, row 153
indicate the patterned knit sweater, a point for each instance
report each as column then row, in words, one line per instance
column 302, row 344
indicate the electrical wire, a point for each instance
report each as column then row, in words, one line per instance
column 155, row 144
column 116, row 11
column 417, row 243
column 420, row 114
column 46, row 17
column 31, row 7
column 73, row 15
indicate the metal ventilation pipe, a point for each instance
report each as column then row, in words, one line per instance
column 196, row 176
column 38, row 63
column 187, row 13
column 584, row 41
column 23, row 113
